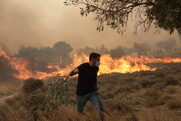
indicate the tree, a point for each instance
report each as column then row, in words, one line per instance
column 165, row 14
column 62, row 48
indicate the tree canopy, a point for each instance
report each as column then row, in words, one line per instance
column 165, row 14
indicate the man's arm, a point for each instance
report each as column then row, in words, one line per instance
column 74, row 72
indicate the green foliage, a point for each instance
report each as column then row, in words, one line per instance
column 166, row 14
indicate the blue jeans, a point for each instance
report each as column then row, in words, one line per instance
column 95, row 99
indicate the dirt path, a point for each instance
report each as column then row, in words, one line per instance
column 3, row 99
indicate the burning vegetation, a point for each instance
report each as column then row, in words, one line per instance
column 133, row 86
column 140, row 82
column 144, row 95
column 53, row 61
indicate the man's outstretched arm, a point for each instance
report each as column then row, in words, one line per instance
column 74, row 72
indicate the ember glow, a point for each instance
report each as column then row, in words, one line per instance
column 125, row 64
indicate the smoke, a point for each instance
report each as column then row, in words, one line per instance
column 87, row 50
column 167, row 45
column 165, row 48
column 41, row 58
column 18, row 25
column 44, row 22
column 48, row 59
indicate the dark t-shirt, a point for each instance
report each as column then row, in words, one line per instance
column 87, row 79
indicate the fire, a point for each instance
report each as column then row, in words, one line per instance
column 121, row 65
column 4, row 54
column 125, row 64
column 21, row 65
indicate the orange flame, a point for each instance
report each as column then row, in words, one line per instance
column 21, row 65
column 123, row 64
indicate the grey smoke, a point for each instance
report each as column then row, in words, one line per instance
column 44, row 22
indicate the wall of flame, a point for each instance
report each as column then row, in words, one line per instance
column 108, row 65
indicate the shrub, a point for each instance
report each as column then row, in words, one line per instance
column 30, row 85
column 39, row 101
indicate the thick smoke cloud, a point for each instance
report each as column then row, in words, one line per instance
column 44, row 22
column 167, row 45
column 166, row 48
column 18, row 25
column 87, row 50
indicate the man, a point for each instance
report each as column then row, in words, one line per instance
column 87, row 85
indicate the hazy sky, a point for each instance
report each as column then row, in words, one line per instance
column 44, row 22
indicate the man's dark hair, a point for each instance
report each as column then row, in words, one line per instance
column 94, row 55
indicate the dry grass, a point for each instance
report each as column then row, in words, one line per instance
column 8, row 88
column 140, row 96
column 174, row 103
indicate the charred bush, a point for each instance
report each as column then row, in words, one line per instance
column 30, row 85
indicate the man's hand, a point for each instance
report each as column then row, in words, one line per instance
column 73, row 72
